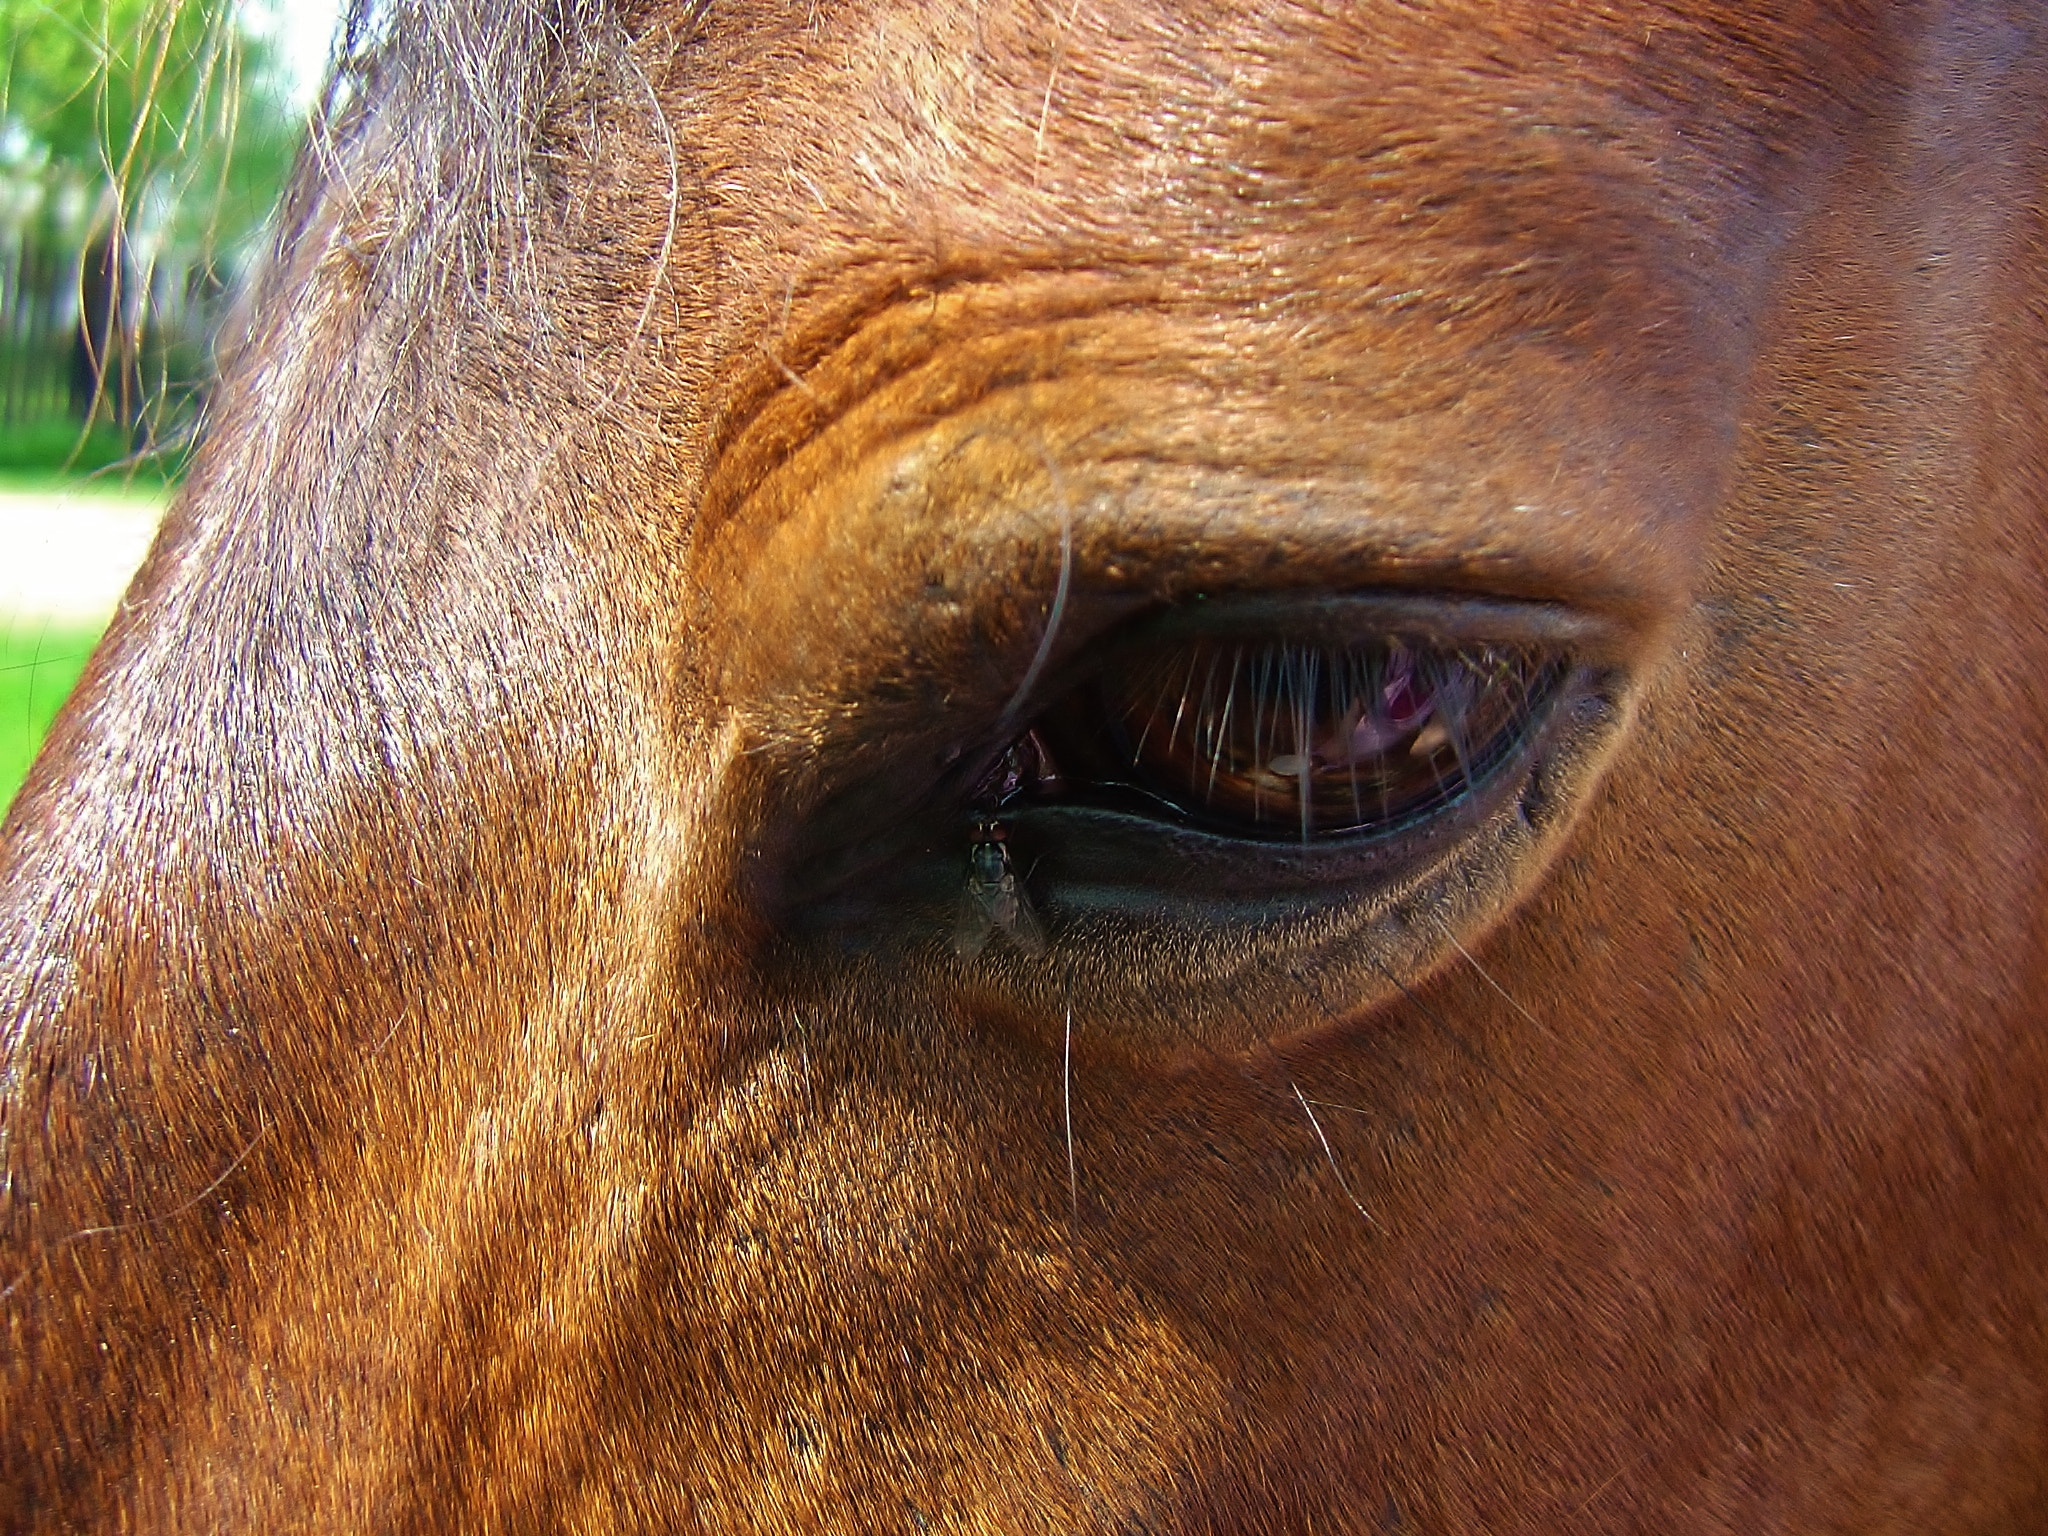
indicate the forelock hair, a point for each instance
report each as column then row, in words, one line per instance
column 441, row 128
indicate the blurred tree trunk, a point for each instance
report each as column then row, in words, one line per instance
column 105, row 377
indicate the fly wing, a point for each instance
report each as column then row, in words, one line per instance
column 974, row 923
column 1021, row 923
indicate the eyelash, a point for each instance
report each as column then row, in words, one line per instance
column 1273, row 739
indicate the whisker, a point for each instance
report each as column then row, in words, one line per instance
column 1067, row 1104
column 1354, row 671
column 142, row 1222
column 1187, row 685
column 1059, row 599
column 1342, row 1183
column 1202, row 732
column 1349, row 1109
column 1262, row 666
column 1484, row 975
column 1485, row 1063
column 1152, row 715
column 1223, row 728
column 1304, row 735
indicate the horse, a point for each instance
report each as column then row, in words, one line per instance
column 1073, row 765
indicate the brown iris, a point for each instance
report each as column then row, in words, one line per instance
column 1274, row 738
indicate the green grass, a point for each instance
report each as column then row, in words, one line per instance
column 41, row 455
column 40, row 660
column 39, row 663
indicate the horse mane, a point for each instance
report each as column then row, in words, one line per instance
column 437, row 150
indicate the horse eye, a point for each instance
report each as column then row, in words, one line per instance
column 1278, row 739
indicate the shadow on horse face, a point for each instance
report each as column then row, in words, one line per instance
column 1074, row 767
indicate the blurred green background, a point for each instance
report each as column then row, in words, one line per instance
column 143, row 144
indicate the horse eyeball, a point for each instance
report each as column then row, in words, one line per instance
column 1277, row 738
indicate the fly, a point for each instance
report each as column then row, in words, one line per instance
column 994, row 900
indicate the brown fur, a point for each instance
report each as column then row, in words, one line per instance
column 422, row 1113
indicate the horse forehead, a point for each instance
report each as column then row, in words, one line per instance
column 1014, row 111
column 1458, row 179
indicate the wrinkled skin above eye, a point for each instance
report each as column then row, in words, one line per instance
column 1274, row 738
